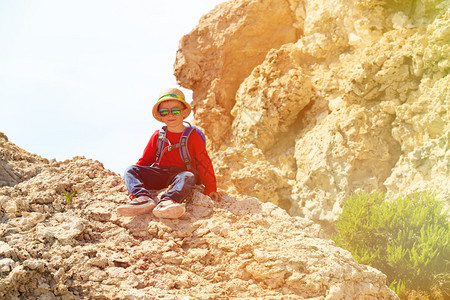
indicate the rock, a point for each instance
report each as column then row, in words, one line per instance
column 17, row 165
column 64, row 232
column 227, row 249
column 223, row 50
column 310, row 102
column 6, row 250
column 6, row 265
column 35, row 264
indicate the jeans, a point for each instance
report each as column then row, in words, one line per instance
column 140, row 179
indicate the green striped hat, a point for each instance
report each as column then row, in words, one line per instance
column 169, row 94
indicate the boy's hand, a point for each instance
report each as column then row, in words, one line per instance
column 215, row 196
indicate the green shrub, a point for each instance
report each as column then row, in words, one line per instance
column 406, row 238
column 68, row 195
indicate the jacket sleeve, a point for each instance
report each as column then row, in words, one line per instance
column 204, row 165
column 149, row 155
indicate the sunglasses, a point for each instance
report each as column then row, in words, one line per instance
column 165, row 111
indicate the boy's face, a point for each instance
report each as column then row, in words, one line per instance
column 171, row 119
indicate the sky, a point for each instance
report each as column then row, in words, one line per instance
column 79, row 77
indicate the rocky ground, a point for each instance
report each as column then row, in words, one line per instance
column 50, row 249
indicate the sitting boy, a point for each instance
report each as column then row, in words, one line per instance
column 151, row 173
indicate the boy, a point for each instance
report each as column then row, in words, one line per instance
column 171, row 108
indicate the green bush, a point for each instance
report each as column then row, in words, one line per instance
column 68, row 195
column 406, row 238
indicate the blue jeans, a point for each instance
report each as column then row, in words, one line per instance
column 140, row 179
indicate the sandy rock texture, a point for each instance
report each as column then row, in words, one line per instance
column 17, row 165
column 218, row 250
column 306, row 102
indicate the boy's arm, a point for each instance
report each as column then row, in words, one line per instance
column 149, row 155
column 206, row 172
column 204, row 166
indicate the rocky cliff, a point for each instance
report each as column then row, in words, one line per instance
column 306, row 102
column 50, row 249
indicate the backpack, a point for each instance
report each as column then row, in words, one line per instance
column 184, row 152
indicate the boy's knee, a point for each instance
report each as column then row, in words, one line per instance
column 131, row 169
column 190, row 178
column 186, row 177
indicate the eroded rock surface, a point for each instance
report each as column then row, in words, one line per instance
column 231, row 249
column 306, row 102
column 17, row 165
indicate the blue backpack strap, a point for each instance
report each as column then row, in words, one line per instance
column 184, row 151
column 198, row 131
column 160, row 144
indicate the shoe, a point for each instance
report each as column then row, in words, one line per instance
column 139, row 206
column 169, row 209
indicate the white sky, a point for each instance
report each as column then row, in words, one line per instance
column 79, row 77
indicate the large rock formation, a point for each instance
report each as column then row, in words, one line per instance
column 50, row 249
column 306, row 102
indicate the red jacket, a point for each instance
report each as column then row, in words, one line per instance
column 200, row 158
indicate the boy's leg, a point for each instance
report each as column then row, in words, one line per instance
column 140, row 179
column 170, row 205
column 181, row 186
